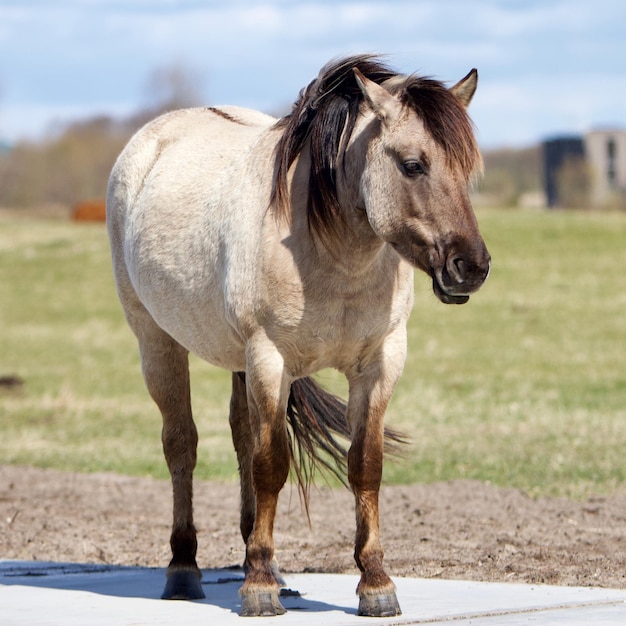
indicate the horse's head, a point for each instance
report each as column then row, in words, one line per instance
column 421, row 154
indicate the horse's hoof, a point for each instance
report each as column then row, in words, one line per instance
column 183, row 585
column 379, row 605
column 261, row 604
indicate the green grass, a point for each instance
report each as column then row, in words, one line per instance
column 84, row 405
column 523, row 386
column 526, row 384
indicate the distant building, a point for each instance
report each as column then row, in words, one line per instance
column 557, row 153
column 606, row 155
column 599, row 158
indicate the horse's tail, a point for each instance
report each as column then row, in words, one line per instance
column 316, row 418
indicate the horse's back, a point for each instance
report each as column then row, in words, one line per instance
column 168, row 211
column 183, row 143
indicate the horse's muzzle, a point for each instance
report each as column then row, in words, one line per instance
column 460, row 276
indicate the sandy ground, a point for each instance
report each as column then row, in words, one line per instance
column 458, row 529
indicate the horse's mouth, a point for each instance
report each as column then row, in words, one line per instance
column 446, row 297
column 443, row 293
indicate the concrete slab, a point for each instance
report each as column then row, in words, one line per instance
column 68, row 594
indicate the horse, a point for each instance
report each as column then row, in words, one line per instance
column 274, row 248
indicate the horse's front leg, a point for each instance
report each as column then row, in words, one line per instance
column 370, row 393
column 267, row 393
column 243, row 440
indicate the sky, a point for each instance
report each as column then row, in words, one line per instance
column 546, row 67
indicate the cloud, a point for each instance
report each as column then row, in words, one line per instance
column 522, row 110
column 540, row 61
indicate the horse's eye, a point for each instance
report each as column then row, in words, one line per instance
column 413, row 168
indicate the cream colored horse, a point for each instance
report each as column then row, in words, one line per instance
column 274, row 248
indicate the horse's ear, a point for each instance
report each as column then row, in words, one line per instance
column 465, row 88
column 382, row 103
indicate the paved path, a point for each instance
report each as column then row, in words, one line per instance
column 61, row 594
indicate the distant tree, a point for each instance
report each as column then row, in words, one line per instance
column 174, row 86
column 73, row 162
column 510, row 173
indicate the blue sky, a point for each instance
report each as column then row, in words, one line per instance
column 545, row 66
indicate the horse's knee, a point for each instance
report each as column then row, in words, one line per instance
column 271, row 459
column 365, row 466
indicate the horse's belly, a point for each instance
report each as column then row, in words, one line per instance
column 203, row 330
column 184, row 296
column 224, row 351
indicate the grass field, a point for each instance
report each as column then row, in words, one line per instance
column 523, row 386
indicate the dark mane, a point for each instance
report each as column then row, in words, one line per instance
column 329, row 106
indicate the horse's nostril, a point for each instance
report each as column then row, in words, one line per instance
column 456, row 269
column 459, row 266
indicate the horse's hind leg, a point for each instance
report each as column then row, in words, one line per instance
column 243, row 441
column 166, row 372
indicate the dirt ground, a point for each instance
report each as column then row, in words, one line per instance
column 458, row 529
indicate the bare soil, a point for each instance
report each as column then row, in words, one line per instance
column 458, row 529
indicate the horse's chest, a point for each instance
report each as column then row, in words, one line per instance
column 319, row 320
column 337, row 335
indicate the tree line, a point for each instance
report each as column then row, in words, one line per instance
column 72, row 163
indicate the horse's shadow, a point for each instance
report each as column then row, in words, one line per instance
column 291, row 599
column 221, row 586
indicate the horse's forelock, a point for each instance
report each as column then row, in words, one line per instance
column 446, row 120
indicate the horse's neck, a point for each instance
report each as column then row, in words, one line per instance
column 350, row 249
column 353, row 254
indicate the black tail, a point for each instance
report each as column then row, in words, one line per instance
column 316, row 417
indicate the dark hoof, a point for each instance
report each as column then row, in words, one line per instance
column 183, row 585
column 261, row 604
column 379, row 605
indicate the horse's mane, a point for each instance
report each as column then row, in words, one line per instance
column 327, row 109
